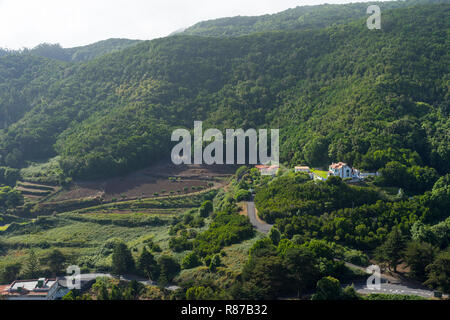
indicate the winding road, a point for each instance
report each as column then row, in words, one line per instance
column 389, row 288
column 389, row 285
column 259, row 225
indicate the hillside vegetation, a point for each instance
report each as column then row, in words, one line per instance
column 344, row 92
column 75, row 54
column 299, row 18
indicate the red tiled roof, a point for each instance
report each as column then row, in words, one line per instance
column 263, row 166
column 338, row 165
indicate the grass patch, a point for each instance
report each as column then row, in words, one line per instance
column 44, row 172
column 320, row 173
column 86, row 238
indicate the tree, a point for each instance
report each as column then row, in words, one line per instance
column 132, row 291
column 206, row 209
column 169, row 267
column 349, row 293
column 10, row 198
column 391, row 251
column 439, row 272
column 420, row 232
column 69, row 296
column 328, row 288
column 200, row 293
column 100, row 288
column 395, row 174
column 441, row 193
column 301, row 268
column 10, row 272
column 422, row 178
column 264, row 277
column 147, row 265
column 418, row 255
column 55, row 261
column 191, row 260
column 215, row 262
column 32, row 266
column 243, row 195
column 275, row 236
column 316, row 151
column 116, row 293
column 122, row 260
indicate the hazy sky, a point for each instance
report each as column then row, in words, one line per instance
column 26, row 23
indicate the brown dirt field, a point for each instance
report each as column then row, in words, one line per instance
column 30, row 190
column 145, row 183
column 25, row 184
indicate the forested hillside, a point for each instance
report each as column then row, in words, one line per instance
column 299, row 18
column 76, row 54
column 339, row 93
column 84, row 53
column 75, row 122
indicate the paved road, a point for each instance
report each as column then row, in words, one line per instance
column 389, row 288
column 260, row 225
column 391, row 285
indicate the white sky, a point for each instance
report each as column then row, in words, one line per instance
column 26, row 23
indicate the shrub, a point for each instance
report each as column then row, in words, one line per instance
column 191, row 260
column 243, row 195
column 206, row 209
column 180, row 244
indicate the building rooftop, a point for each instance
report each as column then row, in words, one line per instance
column 34, row 287
column 338, row 165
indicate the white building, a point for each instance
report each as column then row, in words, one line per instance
column 268, row 170
column 363, row 175
column 37, row 289
column 343, row 170
column 304, row 169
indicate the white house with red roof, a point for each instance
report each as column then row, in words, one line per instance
column 266, row 170
column 343, row 170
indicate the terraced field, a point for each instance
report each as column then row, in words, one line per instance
column 36, row 192
column 87, row 236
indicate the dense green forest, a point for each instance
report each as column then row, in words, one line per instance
column 75, row 54
column 376, row 99
column 299, row 18
column 347, row 93
column 344, row 92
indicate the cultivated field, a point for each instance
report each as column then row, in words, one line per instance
column 87, row 236
column 155, row 181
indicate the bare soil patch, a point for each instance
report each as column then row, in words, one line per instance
column 158, row 180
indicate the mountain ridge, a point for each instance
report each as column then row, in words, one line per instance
column 75, row 54
column 298, row 18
